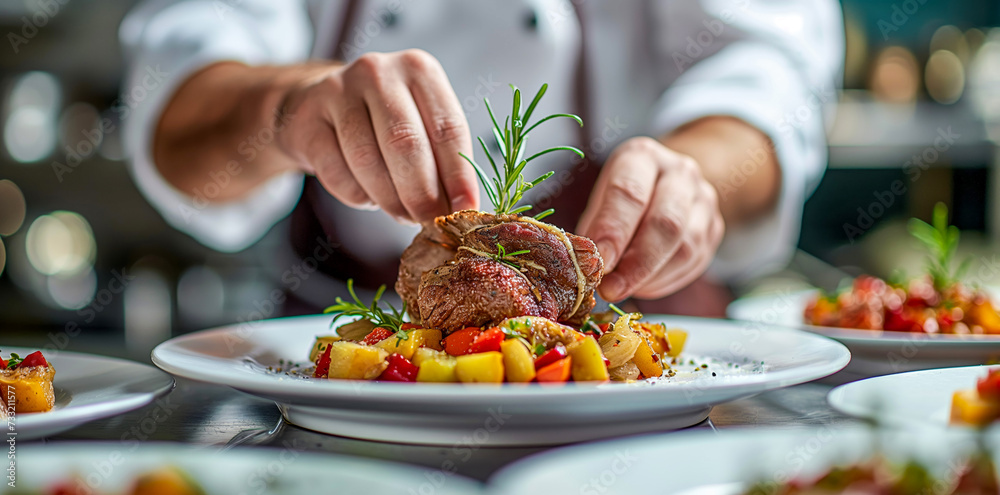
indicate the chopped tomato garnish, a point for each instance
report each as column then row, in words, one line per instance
column 552, row 355
column 400, row 369
column 556, row 372
column 458, row 343
column 487, row 341
column 377, row 335
column 604, row 327
column 323, row 364
column 33, row 359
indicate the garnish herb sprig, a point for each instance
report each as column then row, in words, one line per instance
column 508, row 259
column 392, row 320
column 941, row 241
column 508, row 185
column 14, row 361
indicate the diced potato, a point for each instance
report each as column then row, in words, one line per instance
column 647, row 362
column 33, row 391
column 968, row 408
column 517, row 361
column 440, row 368
column 424, row 353
column 676, row 337
column 657, row 337
column 588, row 362
column 619, row 344
column 625, row 372
column 352, row 361
column 320, row 345
column 415, row 339
column 483, row 367
column 165, row 481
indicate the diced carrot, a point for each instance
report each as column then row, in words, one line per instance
column 458, row 343
column 487, row 341
column 556, row 372
column 323, row 364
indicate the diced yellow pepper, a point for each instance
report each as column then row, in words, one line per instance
column 482, row 367
column 355, row 361
column 588, row 361
column 165, row 481
column 33, row 391
column 647, row 361
column 970, row 409
column 425, row 353
column 676, row 337
column 320, row 345
column 439, row 369
column 415, row 339
column 517, row 361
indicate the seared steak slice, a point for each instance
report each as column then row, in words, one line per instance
column 450, row 278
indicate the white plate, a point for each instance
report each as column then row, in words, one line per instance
column 917, row 397
column 451, row 414
column 90, row 387
column 111, row 468
column 726, row 462
column 873, row 352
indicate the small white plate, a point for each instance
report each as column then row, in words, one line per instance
column 873, row 352
column 917, row 397
column 90, row 387
column 726, row 462
column 480, row 414
column 112, row 468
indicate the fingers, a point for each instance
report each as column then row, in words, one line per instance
column 657, row 240
column 447, row 130
column 619, row 202
column 325, row 158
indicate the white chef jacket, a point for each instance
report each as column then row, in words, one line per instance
column 653, row 66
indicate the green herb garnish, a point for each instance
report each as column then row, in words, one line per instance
column 941, row 241
column 507, row 186
column 392, row 320
column 14, row 361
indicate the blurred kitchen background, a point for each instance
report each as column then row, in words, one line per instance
column 922, row 79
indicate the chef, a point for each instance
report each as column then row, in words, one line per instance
column 704, row 128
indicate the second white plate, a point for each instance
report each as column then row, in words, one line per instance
column 453, row 414
column 873, row 352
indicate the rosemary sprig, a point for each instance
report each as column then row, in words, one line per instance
column 508, row 185
column 941, row 241
column 508, row 259
column 393, row 320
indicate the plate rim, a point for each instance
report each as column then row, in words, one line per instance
column 403, row 393
column 72, row 416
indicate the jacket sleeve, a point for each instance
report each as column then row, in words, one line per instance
column 775, row 64
column 167, row 41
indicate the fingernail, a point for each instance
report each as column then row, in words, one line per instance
column 607, row 251
column 611, row 288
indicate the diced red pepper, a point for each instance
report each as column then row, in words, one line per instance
column 487, row 341
column 410, row 326
column 377, row 335
column 3, row 363
column 458, row 343
column 400, row 369
column 604, row 327
column 33, row 359
column 323, row 364
column 556, row 372
column 989, row 386
column 552, row 355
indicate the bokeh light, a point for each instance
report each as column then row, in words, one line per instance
column 952, row 39
column 60, row 243
column 80, row 130
column 3, row 256
column 12, row 207
column 945, row 77
column 73, row 291
column 895, row 76
column 201, row 295
column 30, row 129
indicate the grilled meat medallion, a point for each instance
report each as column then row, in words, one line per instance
column 450, row 276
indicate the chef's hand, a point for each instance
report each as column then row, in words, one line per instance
column 384, row 131
column 655, row 219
